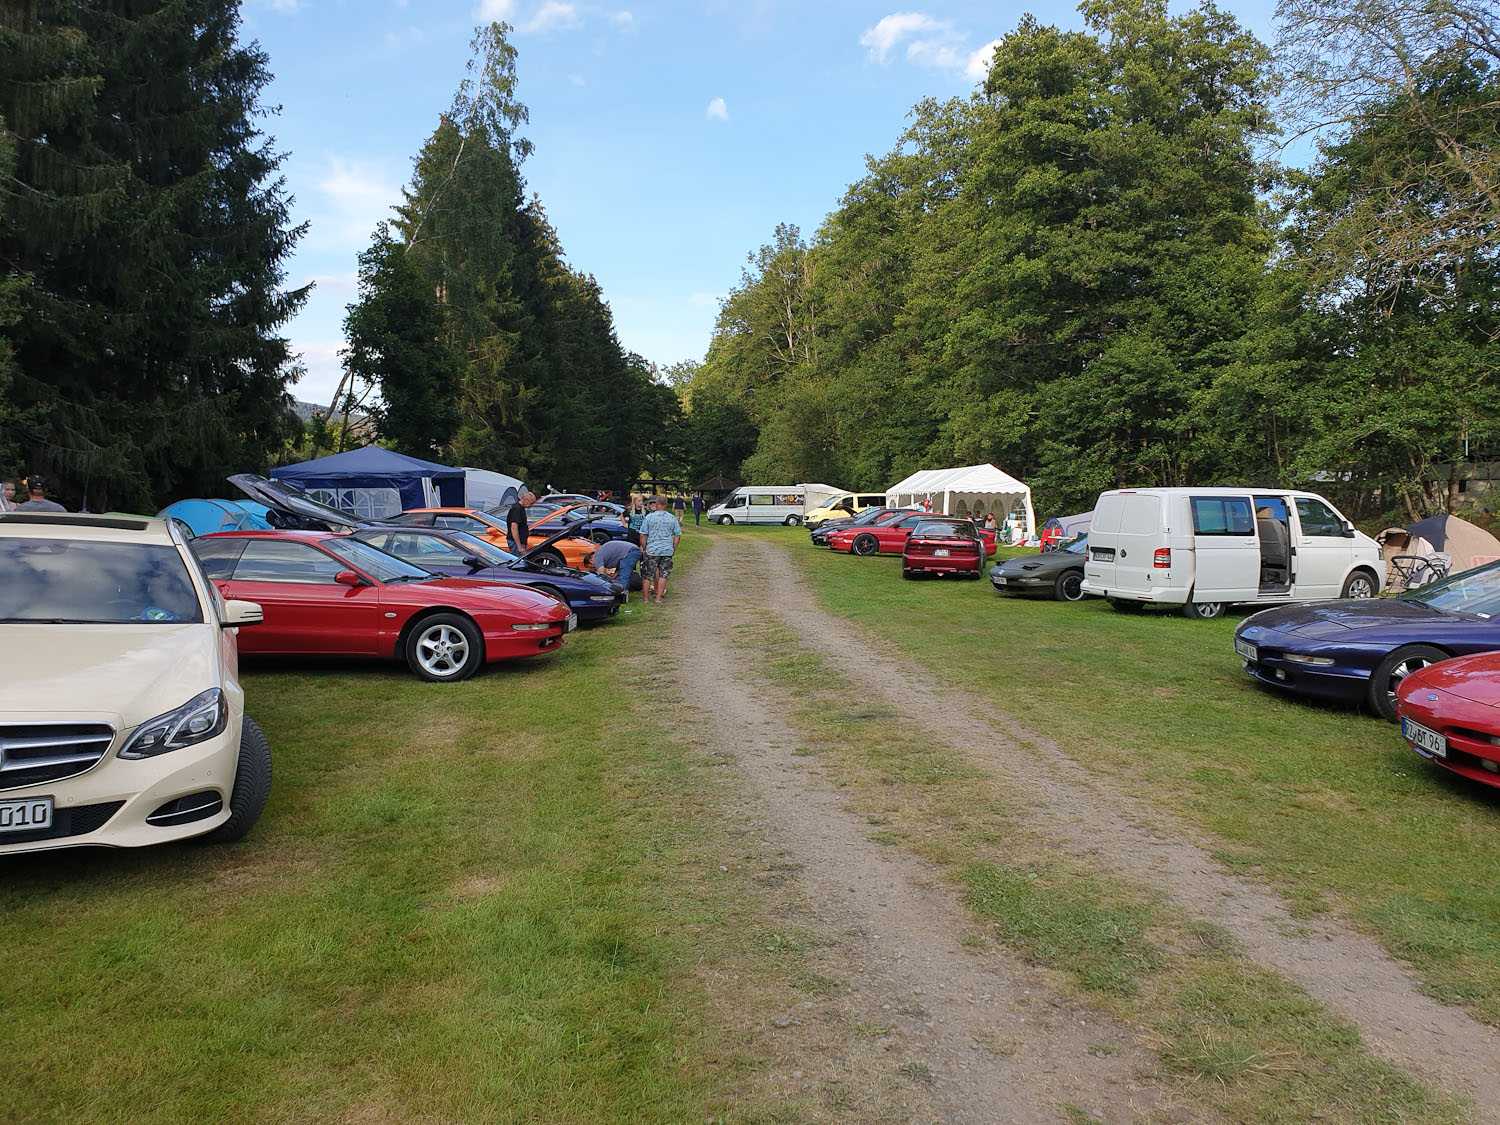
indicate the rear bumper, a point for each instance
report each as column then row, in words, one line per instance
column 927, row 564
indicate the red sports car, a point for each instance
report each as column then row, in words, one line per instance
column 889, row 539
column 328, row 595
column 943, row 545
column 1450, row 714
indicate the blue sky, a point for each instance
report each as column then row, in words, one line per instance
column 671, row 137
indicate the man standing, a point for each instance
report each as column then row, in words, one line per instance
column 660, row 532
column 616, row 560
column 36, row 487
column 697, row 509
column 517, row 532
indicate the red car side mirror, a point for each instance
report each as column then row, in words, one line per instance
column 348, row 578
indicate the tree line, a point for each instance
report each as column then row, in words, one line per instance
column 1093, row 272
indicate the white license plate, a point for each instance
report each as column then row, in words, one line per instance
column 1428, row 740
column 25, row 815
column 1000, row 580
column 572, row 623
column 1247, row 650
column 940, row 553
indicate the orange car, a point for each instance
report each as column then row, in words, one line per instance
column 488, row 525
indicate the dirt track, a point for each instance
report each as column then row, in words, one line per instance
column 899, row 932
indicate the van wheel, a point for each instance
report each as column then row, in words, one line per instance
column 725, row 521
column 252, row 785
column 792, row 521
column 865, row 545
column 1392, row 670
column 1360, row 584
column 1203, row 611
column 1069, row 586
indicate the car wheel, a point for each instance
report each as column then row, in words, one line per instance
column 865, row 545
column 725, row 521
column 1069, row 586
column 906, row 573
column 444, row 648
column 554, row 591
column 792, row 521
column 1392, row 670
column 600, row 536
column 1360, row 584
column 549, row 557
column 252, row 785
column 1123, row 605
column 1203, row 611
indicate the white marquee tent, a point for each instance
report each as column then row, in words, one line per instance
column 973, row 490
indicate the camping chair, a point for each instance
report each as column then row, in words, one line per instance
column 1407, row 572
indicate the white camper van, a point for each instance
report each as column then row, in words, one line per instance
column 757, row 504
column 1207, row 548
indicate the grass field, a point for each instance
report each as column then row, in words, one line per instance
column 1327, row 805
column 491, row 901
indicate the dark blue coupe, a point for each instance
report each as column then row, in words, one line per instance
column 449, row 551
column 1358, row 651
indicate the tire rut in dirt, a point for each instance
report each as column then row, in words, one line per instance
column 1338, row 966
column 897, row 926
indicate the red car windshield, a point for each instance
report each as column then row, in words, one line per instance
column 949, row 528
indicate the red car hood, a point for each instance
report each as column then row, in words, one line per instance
column 477, row 594
column 1475, row 678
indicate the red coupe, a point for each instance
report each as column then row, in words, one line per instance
column 328, row 595
column 1450, row 714
column 943, row 545
column 890, row 539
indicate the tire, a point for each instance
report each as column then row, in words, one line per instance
column 907, row 574
column 444, row 648
column 792, row 521
column 556, row 593
column 549, row 557
column 1123, row 605
column 1360, row 584
column 1203, row 611
column 865, row 545
column 725, row 521
column 600, row 536
column 252, row 785
column 1392, row 670
column 1069, row 586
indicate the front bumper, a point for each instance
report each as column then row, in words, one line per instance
column 1346, row 679
column 1466, row 725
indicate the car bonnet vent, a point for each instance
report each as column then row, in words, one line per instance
column 36, row 753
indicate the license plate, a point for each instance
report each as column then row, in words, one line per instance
column 572, row 623
column 1428, row 740
column 1102, row 554
column 940, row 553
column 1246, row 649
column 25, row 815
column 1000, row 580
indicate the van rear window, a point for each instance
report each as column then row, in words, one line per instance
column 1221, row 515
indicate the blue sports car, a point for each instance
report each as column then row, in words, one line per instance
column 448, row 551
column 1358, row 651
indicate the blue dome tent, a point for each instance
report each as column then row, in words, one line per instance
column 205, row 517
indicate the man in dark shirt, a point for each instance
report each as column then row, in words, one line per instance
column 515, row 522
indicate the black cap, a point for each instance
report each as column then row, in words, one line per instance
column 36, row 480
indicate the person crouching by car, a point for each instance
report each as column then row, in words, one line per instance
column 616, row 560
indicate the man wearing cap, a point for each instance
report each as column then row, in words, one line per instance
column 660, row 532
column 36, row 485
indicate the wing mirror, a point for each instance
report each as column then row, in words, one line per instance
column 237, row 613
column 348, row 578
column 474, row 562
column 1348, row 531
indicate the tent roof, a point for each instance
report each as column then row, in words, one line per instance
column 716, row 484
column 1067, row 523
column 369, row 461
column 967, row 480
column 1466, row 544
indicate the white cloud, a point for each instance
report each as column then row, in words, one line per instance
column 717, row 109
column 707, row 300
column 892, row 29
column 978, row 66
column 342, row 285
column 356, row 196
column 398, row 39
column 491, row 10
column 578, row 80
column 399, row 3
column 623, row 20
column 551, row 16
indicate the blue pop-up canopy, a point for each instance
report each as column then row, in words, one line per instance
column 420, row 483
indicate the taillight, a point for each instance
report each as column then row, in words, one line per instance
column 1163, row 559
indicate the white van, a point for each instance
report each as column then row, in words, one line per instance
column 752, row 504
column 1206, row 548
column 842, row 505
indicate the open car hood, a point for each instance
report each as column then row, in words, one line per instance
column 569, row 532
column 293, row 507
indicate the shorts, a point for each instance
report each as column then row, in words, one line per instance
column 656, row 566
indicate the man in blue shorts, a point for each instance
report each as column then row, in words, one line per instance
column 660, row 532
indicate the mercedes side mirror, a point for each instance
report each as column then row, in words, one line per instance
column 237, row 613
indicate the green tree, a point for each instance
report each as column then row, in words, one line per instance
column 145, row 214
column 397, row 342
